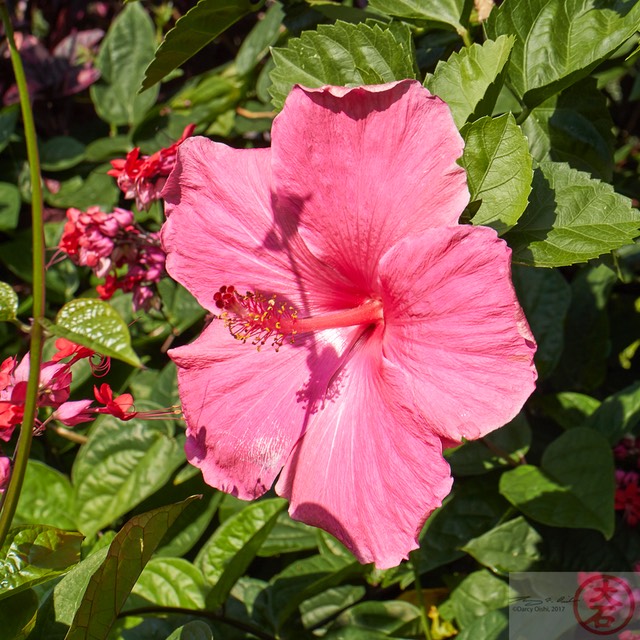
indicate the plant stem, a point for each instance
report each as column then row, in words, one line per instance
column 211, row 615
column 23, row 447
column 418, row 587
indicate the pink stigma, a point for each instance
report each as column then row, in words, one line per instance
column 255, row 317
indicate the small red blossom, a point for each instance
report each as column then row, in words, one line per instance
column 118, row 406
column 627, row 496
column 143, row 177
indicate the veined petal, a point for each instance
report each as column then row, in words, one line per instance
column 367, row 470
column 453, row 323
column 364, row 167
column 246, row 408
column 221, row 229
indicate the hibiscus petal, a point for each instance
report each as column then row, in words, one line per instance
column 454, row 324
column 363, row 167
column 367, row 470
column 221, row 229
column 246, row 408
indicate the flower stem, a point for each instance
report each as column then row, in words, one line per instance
column 23, row 447
column 421, row 605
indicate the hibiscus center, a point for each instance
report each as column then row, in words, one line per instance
column 258, row 318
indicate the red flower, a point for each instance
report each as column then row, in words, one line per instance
column 118, row 407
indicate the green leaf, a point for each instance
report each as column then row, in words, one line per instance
column 32, row 554
column 574, row 127
column 499, row 171
column 10, row 203
column 471, row 79
column 45, row 497
column 587, row 323
column 60, row 153
column 102, row 149
column 342, row 54
column 512, row 546
column 386, row 617
column 193, row 31
column 264, row 35
column 125, row 51
column 194, row 630
column 121, row 465
column 545, row 297
column 451, row 12
column 480, row 456
column 97, row 325
column 570, row 218
column 288, row 536
column 168, row 582
column 302, row 580
column 230, row 550
column 110, row 585
column 318, row 609
column 568, row 409
column 8, row 302
column 618, row 414
column 490, row 626
column 18, row 615
column 8, row 119
column 558, row 42
column 478, row 594
column 97, row 189
column 574, row 487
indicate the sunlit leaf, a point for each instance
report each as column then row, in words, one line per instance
column 451, row 12
column 110, row 585
column 97, row 325
column 8, row 302
column 32, row 554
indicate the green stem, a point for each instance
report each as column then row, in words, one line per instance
column 23, row 447
column 466, row 37
column 421, row 606
column 523, row 115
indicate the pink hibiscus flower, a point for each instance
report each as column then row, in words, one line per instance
column 396, row 332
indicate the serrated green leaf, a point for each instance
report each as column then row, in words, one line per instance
column 574, row 486
column 232, row 547
column 10, row 203
column 545, row 297
column 32, row 554
column 618, row 414
column 124, row 53
column 342, row 54
column 574, row 127
column 570, row 218
column 168, row 582
column 193, row 31
column 455, row 13
column 97, row 325
column 121, row 465
column 470, row 80
column 18, row 615
column 8, row 302
column 127, row 556
column 559, row 42
column 480, row 456
column 499, row 171
column 512, row 546
column 194, row 630
column 45, row 497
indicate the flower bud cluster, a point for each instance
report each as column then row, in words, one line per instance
column 142, row 177
column 627, row 496
column 117, row 249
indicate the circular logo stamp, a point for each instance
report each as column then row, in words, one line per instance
column 604, row 604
